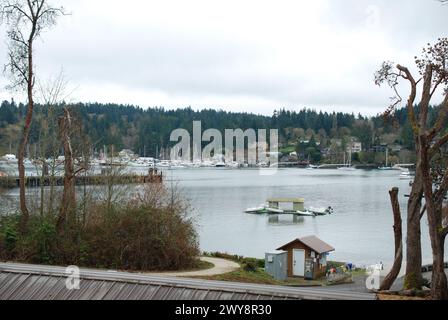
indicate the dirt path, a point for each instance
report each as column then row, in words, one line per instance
column 221, row 266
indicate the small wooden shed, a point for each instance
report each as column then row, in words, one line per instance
column 307, row 257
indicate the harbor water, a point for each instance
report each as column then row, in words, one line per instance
column 361, row 228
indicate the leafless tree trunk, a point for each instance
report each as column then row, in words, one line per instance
column 413, row 277
column 26, row 128
column 393, row 274
column 438, row 229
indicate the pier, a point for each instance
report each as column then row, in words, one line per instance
column 153, row 176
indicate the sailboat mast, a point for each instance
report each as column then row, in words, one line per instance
column 387, row 157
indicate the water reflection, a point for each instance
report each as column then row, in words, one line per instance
column 285, row 220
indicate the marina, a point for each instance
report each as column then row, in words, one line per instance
column 361, row 226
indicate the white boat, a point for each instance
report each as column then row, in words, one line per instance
column 262, row 209
column 207, row 164
column 349, row 168
column 164, row 164
column 220, row 164
column 262, row 164
column 233, row 165
column 9, row 158
column 321, row 211
column 406, row 175
column 386, row 167
column 303, row 213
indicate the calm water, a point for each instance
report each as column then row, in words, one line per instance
column 360, row 229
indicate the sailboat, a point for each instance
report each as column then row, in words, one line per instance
column 348, row 164
column 387, row 167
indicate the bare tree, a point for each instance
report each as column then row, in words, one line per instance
column 69, row 196
column 26, row 19
column 76, row 150
column 430, row 140
column 52, row 92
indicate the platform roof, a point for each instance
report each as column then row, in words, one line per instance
column 287, row 200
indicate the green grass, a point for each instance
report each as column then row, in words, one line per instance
column 261, row 277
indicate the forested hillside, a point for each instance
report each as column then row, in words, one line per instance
column 146, row 131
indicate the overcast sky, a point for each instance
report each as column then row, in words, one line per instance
column 246, row 55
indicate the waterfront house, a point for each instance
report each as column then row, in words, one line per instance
column 307, row 257
column 354, row 147
column 382, row 148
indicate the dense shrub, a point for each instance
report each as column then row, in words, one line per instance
column 250, row 265
column 142, row 238
column 147, row 233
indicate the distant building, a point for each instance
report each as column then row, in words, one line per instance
column 382, row 148
column 354, row 147
column 396, row 148
column 328, row 152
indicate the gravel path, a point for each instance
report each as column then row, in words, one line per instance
column 221, row 266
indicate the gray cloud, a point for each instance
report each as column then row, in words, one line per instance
column 251, row 56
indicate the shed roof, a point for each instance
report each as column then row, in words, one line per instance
column 313, row 243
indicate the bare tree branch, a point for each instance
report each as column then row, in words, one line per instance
column 412, row 96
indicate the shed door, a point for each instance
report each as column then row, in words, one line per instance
column 299, row 263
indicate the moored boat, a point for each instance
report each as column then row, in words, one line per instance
column 406, row 175
column 321, row 211
column 272, row 207
column 258, row 210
